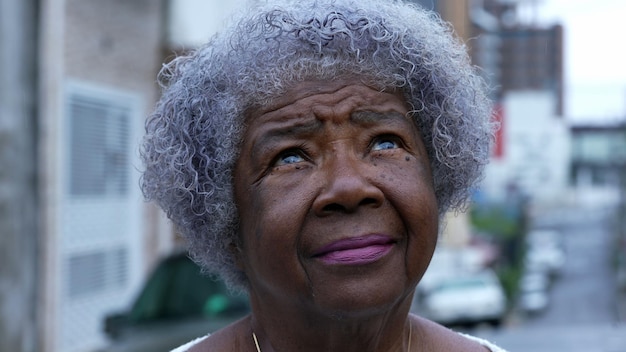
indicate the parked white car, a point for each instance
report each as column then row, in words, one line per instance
column 467, row 298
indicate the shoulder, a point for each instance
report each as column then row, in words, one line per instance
column 489, row 345
column 227, row 339
column 186, row 347
column 439, row 338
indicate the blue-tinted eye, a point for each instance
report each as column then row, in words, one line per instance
column 290, row 157
column 385, row 143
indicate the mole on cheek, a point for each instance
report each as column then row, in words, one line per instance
column 407, row 158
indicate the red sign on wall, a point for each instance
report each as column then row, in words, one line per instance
column 498, row 118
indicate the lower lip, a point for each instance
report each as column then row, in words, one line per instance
column 356, row 256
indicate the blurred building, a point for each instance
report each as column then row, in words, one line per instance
column 598, row 172
column 513, row 55
column 598, row 167
column 532, row 154
column 523, row 63
column 77, row 239
column 516, row 55
column 97, row 63
column 81, row 238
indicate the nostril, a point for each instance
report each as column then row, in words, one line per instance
column 333, row 208
column 339, row 208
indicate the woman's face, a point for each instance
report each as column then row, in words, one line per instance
column 336, row 202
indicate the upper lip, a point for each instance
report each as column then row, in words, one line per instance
column 354, row 243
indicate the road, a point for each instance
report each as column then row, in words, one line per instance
column 583, row 311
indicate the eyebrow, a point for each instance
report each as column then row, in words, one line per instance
column 369, row 117
column 364, row 117
column 266, row 139
column 302, row 128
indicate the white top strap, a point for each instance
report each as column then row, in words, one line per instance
column 483, row 342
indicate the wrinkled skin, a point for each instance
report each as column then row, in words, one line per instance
column 338, row 224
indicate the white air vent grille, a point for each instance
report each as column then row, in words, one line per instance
column 99, row 135
column 99, row 211
column 97, row 272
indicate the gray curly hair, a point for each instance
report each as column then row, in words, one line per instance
column 192, row 137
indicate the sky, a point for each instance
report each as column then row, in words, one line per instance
column 595, row 54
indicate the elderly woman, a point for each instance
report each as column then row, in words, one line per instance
column 307, row 153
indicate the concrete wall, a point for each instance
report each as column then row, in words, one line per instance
column 18, row 175
column 112, row 45
column 119, row 44
column 536, row 152
column 115, row 43
column 193, row 22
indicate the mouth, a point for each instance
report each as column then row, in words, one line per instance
column 355, row 251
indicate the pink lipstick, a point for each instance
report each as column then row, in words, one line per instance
column 355, row 251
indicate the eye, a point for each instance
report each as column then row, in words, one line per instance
column 385, row 142
column 290, row 156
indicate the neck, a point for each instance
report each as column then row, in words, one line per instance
column 277, row 330
column 405, row 346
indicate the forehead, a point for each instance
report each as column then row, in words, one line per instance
column 328, row 99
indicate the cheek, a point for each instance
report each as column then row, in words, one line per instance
column 411, row 189
column 412, row 195
column 274, row 208
column 424, row 233
column 270, row 223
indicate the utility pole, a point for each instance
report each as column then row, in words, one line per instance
column 18, row 175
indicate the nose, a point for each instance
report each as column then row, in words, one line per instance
column 346, row 187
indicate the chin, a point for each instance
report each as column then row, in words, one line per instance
column 363, row 302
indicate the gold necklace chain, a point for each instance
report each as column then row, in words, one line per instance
column 258, row 349
column 256, row 342
column 410, row 335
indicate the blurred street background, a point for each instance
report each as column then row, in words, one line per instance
column 537, row 263
column 585, row 311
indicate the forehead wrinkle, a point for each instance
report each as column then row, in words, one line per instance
column 307, row 114
column 302, row 127
column 337, row 108
column 367, row 117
